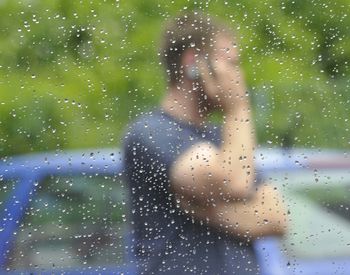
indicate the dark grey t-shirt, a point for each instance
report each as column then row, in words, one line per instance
column 165, row 240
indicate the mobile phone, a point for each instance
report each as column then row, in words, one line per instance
column 194, row 73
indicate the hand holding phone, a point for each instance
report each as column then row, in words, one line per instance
column 194, row 73
column 223, row 84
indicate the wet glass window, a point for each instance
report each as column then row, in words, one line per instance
column 175, row 137
column 73, row 221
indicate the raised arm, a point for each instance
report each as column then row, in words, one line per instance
column 228, row 171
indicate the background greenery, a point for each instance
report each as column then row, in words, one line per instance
column 73, row 73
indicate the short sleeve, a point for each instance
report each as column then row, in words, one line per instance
column 154, row 143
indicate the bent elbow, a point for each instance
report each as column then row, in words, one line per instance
column 238, row 190
column 242, row 193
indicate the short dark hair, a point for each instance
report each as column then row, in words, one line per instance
column 191, row 30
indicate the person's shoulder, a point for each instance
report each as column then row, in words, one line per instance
column 152, row 134
column 143, row 122
column 146, row 126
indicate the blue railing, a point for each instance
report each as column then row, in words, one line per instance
column 30, row 170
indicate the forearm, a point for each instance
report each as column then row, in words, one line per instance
column 262, row 215
column 237, row 151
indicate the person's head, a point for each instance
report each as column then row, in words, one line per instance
column 187, row 37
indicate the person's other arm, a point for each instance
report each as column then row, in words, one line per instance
column 262, row 215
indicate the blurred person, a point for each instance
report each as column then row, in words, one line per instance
column 196, row 205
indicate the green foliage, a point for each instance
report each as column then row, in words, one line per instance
column 73, row 73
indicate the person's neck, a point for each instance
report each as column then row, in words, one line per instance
column 183, row 103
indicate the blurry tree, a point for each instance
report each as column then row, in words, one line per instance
column 73, row 73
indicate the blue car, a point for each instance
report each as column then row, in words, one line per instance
column 66, row 212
